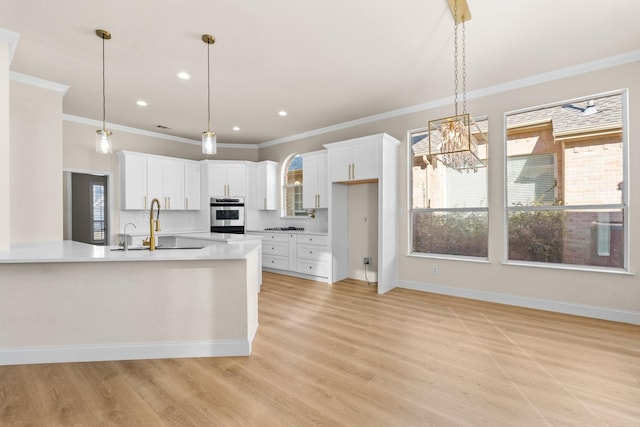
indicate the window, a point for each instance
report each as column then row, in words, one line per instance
column 292, row 187
column 97, row 213
column 565, row 175
column 449, row 211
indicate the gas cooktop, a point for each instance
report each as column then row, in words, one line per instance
column 284, row 229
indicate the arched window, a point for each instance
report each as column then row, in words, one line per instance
column 292, row 186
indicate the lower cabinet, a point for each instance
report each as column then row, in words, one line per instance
column 306, row 254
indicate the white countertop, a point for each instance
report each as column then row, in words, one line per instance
column 69, row 251
column 219, row 237
column 314, row 233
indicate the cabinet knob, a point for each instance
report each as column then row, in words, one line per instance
column 310, row 268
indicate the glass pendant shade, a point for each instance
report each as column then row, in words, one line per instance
column 209, row 144
column 103, row 141
column 457, row 142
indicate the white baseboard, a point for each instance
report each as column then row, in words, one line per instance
column 539, row 304
column 96, row 353
column 296, row 274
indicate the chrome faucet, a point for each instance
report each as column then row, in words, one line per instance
column 126, row 240
column 152, row 237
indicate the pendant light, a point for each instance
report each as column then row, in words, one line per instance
column 209, row 144
column 454, row 140
column 103, row 136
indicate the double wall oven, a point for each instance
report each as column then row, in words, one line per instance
column 227, row 215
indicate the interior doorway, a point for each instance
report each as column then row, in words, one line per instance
column 86, row 208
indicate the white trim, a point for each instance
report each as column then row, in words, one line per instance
column 296, row 274
column 136, row 131
column 11, row 37
column 535, row 303
column 96, row 353
column 587, row 67
column 38, row 82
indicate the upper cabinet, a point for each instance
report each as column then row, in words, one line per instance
column 172, row 181
column 133, row 181
column 192, row 185
column 227, row 179
column 354, row 160
column 316, row 181
column 165, row 182
column 267, row 185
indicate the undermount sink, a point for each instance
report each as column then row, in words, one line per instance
column 146, row 248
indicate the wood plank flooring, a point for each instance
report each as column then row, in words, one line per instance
column 342, row 355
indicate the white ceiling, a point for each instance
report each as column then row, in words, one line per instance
column 325, row 62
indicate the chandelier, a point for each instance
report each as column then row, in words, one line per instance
column 454, row 140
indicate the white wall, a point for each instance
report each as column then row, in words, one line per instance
column 35, row 163
column 5, row 194
column 605, row 295
column 363, row 230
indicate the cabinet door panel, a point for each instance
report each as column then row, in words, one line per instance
column 133, row 182
column 323, row 182
column 174, row 184
column 339, row 164
column 217, row 180
column 236, row 177
column 366, row 161
column 192, row 185
column 310, row 182
column 155, row 181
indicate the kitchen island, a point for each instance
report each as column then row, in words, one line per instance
column 68, row 301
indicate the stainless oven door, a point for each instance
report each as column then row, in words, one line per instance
column 225, row 216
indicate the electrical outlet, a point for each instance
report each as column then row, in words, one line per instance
column 366, row 260
column 435, row 270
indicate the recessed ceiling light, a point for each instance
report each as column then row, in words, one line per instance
column 183, row 75
column 141, row 103
column 282, row 113
column 236, row 128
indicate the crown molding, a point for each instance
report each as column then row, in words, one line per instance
column 38, row 82
column 136, row 131
column 11, row 38
column 587, row 67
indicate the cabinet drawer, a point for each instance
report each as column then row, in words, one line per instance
column 276, row 248
column 312, row 252
column 275, row 261
column 310, row 239
column 275, row 237
column 314, row 268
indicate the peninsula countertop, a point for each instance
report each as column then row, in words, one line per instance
column 70, row 251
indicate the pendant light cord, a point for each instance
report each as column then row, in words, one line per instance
column 208, row 89
column 455, row 53
column 104, row 96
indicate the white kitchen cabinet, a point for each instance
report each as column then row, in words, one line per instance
column 165, row 182
column 227, row 179
column 312, row 255
column 144, row 177
column 298, row 254
column 267, row 185
column 354, row 160
column 133, row 181
column 371, row 158
column 192, row 185
column 316, row 181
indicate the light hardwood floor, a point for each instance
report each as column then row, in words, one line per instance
column 343, row 355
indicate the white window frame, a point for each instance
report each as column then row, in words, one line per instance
column 624, row 205
column 410, row 209
column 283, row 186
